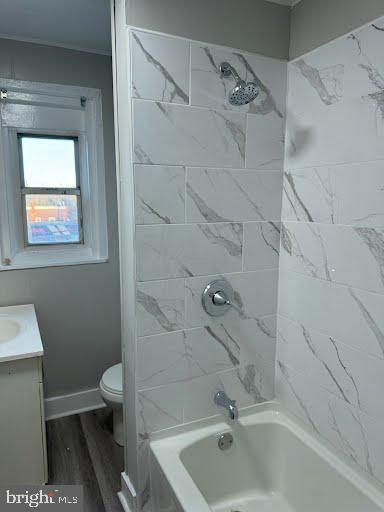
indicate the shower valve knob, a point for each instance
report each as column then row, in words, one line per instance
column 218, row 297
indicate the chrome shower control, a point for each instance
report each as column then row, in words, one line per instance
column 243, row 92
column 218, row 297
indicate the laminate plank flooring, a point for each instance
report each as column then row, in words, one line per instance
column 81, row 450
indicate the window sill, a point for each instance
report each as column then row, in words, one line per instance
column 71, row 263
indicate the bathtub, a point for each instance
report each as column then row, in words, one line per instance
column 273, row 465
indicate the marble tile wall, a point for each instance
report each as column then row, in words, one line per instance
column 330, row 348
column 208, row 184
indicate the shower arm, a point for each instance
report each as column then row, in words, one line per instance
column 227, row 70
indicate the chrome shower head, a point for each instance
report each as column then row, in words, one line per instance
column 243, row 92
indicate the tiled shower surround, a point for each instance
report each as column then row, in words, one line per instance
column 330, row 351
column 208, row 186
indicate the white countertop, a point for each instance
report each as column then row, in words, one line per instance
column 26, row 341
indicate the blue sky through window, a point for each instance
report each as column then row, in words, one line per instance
column 49, row 162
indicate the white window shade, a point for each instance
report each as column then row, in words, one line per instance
column 61, row 111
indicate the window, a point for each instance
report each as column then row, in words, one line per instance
column 50, row 188
column 52, row 184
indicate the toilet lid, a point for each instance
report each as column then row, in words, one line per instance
column 112, row 379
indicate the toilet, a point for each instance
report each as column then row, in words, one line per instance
column 111, row 389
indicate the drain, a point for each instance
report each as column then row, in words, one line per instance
column 225, row 442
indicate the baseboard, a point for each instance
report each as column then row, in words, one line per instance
column 65, row 405
column 123, row 502
column 127, row 495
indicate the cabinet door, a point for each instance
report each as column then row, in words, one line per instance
column 21, row 436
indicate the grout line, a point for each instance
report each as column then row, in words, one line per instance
column 197, row 107
column 189, row 380
column 236, row 170
column 243, row 247
column 190, row 75
column 315, row 331
column 199, row 327
column 295, row 170
column 209, row 276
column 331, row 283
column 185, row 194
column 202, row 223
column 379, row 227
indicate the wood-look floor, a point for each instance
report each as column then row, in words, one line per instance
column 81, row 450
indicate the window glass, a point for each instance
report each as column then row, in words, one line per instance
column 48, row 162
column 52, row 219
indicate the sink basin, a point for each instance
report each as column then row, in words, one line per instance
column 19, row 333
column 9, row 329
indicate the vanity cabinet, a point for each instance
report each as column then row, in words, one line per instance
column 23, row 458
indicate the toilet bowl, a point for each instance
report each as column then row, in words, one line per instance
column 111, row 389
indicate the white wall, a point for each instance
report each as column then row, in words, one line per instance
column 78, row 307
column 315, row 22
column 330, row 355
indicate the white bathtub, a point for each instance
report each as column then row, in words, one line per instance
column 274, row 465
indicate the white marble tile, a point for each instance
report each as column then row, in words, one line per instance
column 261, row 245
column 373, row 431
column 255, row 297
column 143, row 484
column 211, row 350
column 348, row 68
column 252, row 383
column 209, row 89
column 335, row 100
column 160, row 306
column 348, row 132
column 159, row 194
column 341, row 194
column 265, row 142
column 257, row 341
column 352, row 316
column 160, row 408
column 247, row 386
column 181, row 135
column 179, row 356
column 188, row 250
column 353, row 256
column 162, row 359
column 160, row 67
column 318, row 79
column 199, row 395
column 337, row 422
column 333, row 365
column 219, row 195
column 330, row 346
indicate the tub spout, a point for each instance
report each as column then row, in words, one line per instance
column 223, row 400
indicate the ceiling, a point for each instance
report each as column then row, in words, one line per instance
column 82, row 25
column 77, row 24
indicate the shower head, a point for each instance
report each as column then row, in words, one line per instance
column 243, row 92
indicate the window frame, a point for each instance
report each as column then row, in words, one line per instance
column 50, row 190
column 66, row 111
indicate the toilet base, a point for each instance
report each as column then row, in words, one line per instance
column 118, row 426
